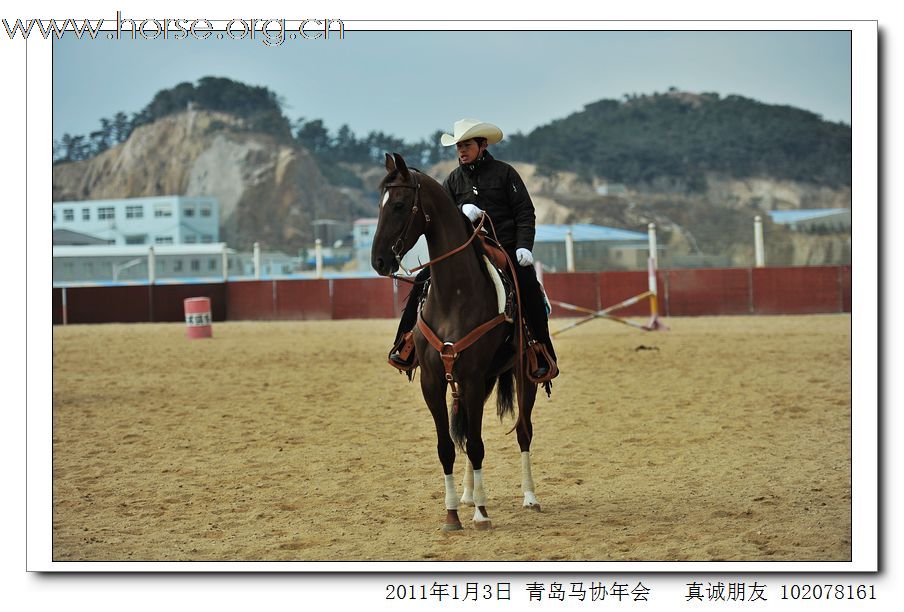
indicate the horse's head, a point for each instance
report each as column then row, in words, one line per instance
column 401, row 220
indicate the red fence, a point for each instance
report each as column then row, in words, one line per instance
column 801, row 290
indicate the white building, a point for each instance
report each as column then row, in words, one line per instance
column 111, row 263
column 158, row 220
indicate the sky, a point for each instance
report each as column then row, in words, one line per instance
column 410, row 84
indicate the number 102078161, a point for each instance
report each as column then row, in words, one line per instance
column 828, row 591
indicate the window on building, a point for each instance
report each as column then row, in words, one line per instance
column 163, row 210
column 89, row 269
column 106, row 213
column 191, row 239
column 134, row 212
column 207, row 238
column 189, row 211
column 163, row 240
column 177, row 265
column 137, row 239
column 195, row 265
column 206, row 211
column 86, row 214
column 68, row 214
column 211, row 264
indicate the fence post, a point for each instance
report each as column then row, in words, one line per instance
column 651, row 237
column 318, row 258
column 569, row 251
column 152, row 265
column 759, row 251
column 257, row 260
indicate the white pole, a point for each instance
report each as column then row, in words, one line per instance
column 318, row 257
column 152, row 265
column 652, row 265
column 651, row 237
column 758, row 242
column 257, row 260
column 569, row 251
column 225, row 264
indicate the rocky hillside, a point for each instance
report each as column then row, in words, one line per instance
column 715, row 226
column 268, row 191
column 698, row 166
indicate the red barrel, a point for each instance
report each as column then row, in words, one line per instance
column 197, row 317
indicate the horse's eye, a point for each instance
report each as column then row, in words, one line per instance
column 397, row 206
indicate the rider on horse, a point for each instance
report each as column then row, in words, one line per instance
column 482, row 183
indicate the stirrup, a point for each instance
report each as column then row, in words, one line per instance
column 537, row 373
column 402, row 355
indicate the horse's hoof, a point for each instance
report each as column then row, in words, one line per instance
column 452, row 527
column 483, row 525
column 531, row 501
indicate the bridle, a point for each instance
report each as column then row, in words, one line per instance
column 400, row 242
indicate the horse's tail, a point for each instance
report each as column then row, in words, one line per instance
column 505, row 394
column 458, row 427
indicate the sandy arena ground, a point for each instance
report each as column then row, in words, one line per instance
column 295, row 441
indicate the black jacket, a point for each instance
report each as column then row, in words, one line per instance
column 495, row 187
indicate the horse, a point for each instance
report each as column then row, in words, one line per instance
column 460, row 341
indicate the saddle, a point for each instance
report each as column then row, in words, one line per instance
column 534, row 350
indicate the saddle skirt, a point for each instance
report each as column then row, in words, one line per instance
column 497, row 264
column 503, row 294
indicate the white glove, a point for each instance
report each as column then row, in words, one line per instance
column 471, row 212
column 525, row 258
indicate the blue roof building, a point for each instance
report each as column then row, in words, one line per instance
column 831, row 219
column 596, row 247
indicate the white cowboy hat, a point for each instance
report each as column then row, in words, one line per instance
column 465, row 129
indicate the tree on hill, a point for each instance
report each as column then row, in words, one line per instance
column 675, row 136
column 684, row 135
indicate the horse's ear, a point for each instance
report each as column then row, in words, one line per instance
column 390, row 163
column 401, row 166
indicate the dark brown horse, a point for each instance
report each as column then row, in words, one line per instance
column 462, row 298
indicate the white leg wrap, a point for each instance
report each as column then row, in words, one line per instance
column 480, row 497
column 467, row 496
column 478, row 515
column 527, row 481
column 451, row 493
